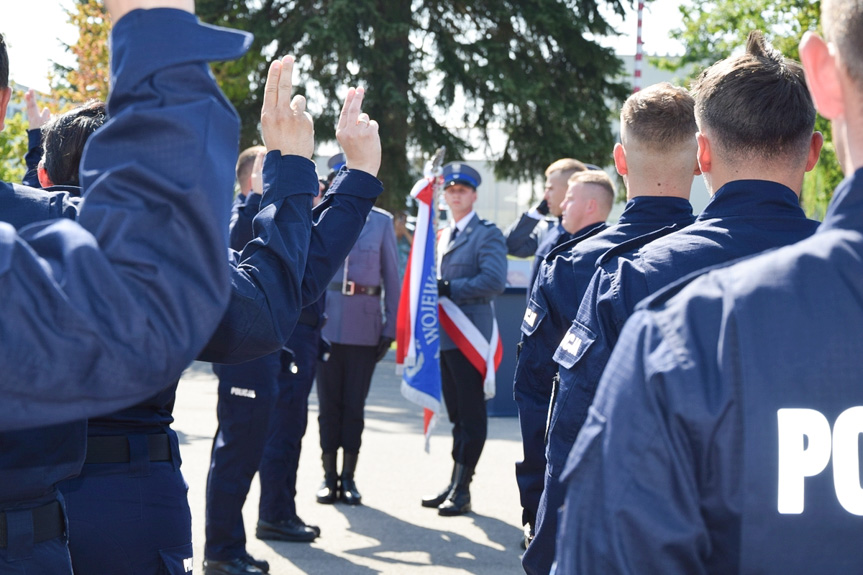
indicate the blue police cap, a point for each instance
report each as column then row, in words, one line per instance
column 592, row 167
column 336, row 162
column 457, row 172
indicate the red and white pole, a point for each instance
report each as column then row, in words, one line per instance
column 639, row 51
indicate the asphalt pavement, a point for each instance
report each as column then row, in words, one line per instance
column 391, row 533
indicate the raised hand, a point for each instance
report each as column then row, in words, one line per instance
column 358, row 135
column 285, row 124
column 118, row 8
column 258, row 174
column 35, row 118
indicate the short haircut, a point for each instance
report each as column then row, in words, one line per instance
column 597, row 178
column 842, row 21
column 4, row 63
column 659, row 116
column 755, row 105
column 246, row 162
column 566, row 165
column 63, row 140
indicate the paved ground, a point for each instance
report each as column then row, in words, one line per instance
column 391, row 533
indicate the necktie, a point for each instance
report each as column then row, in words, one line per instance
column 453, row 234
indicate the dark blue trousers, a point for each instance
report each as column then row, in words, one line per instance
column 247, row 396
column 538, row 558
column 530, row 472
column 129, row 519
column 281, row 458
column 22, row 556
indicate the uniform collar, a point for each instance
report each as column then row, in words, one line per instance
column 660, row 209
column 462, row 223
column 750, row 197
column 846, row 207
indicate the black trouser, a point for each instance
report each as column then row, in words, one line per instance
column 465, row 403
column 343, row 384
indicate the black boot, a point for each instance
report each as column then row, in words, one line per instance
column 348, row 490
column 330, row 487
column 436, row 500
column 458, row 500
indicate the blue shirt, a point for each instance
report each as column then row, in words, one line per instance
column 98, row 315
column 701, row 418
column 743, row 218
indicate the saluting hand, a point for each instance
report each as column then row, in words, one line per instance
column 35, row 118
column 118, row 8
column 258, row 174
column 285, row 124
column 358, row 135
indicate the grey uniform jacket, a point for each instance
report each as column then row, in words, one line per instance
column 361, row 319
column 475, row 265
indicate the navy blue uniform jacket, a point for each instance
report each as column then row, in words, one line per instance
column 693, row 459
column 564, row 277
column 743, row 218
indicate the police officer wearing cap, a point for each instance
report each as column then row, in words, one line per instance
column 755, row 179
column 472, row 270
column 741, row 394
column 362, row 300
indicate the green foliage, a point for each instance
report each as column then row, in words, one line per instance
column 521, row 74
column 13, row 147
column 716, row 29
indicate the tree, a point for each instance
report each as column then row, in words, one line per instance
column 714, row 29
column 13, row 147
column 523, row 75
column 89, row 78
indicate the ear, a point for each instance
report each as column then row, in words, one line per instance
column 822, row 76
column 620, row 159
column 42, row 174
column 705, row 156
column 5, row 96
column 815, row 145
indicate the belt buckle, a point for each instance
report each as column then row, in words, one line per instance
column 348, row 288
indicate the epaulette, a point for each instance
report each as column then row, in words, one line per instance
column 382, row 212
column 572, row 242
column 634, row 244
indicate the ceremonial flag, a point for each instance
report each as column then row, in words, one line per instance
column 417, row 326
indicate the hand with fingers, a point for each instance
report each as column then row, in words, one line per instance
column 358, row 135
column 35, row 118
column 285, row 124
column 118, row 8
column 258, row 174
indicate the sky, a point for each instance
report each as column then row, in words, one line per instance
column 35, row 31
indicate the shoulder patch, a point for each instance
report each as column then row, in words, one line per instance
column 636, row 243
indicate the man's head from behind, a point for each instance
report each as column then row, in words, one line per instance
column 657, row 153
column 63, row 140
column 755, row 116
column 835, row 76
column 245, row 167
column 588, row 200
column 5, row 90
column 556, row 178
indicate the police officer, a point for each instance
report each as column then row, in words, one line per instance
column 741, row 394
column 362, row 300
column 247, row 392
column 749, row 110
column 535, row 233
column 656, row 158
column 95, row 281
column 472, row 270
column 277, row 510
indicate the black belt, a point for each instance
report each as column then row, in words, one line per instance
column 474, row 301
column 351, row 288
column 48, row 523
column 115, row 448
